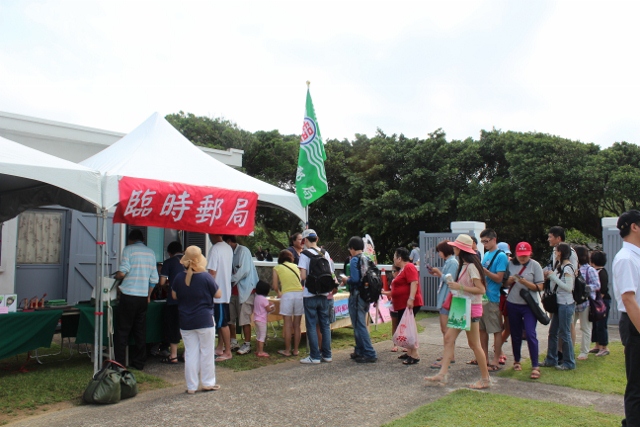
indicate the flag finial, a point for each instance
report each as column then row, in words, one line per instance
column 308, row 84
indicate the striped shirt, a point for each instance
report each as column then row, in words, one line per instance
column 138, row 263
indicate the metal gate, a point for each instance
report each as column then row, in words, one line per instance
column 429, row 256
column 611, row 244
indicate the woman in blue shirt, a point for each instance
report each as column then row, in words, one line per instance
column 445, row 252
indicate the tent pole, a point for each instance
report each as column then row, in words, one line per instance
column 97, row 291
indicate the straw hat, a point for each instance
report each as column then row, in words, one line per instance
column 464, row 243
column 194, row 261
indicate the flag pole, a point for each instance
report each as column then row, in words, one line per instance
column 306, row 208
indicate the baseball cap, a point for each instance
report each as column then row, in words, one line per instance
column 309, row 233
column 523, row 249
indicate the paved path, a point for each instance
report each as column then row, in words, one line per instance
column 329, row 394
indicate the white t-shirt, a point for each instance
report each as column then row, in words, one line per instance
column 626, row 273
column 220, row 259
column 304, row 263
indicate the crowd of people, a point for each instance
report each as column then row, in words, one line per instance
column 209, row 296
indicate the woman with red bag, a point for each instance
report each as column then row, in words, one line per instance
column 406, row 295
column 470, row 284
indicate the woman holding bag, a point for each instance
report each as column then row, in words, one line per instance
column 524, row 274
column 470, row 284
column 406, row 295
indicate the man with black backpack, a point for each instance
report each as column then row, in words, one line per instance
column 358, row 306
column 316, row 273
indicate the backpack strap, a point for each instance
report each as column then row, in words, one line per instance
column 494, row 258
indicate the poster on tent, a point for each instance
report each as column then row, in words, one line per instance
column 211, row 210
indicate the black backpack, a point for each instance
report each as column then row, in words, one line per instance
column 371, row 282
column 580, row 293
column 319, row 276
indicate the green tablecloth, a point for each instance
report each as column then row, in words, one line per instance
column 155, row 333
column 21, row 332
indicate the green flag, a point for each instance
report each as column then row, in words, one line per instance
column 311, row 180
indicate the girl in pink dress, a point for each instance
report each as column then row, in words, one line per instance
column 261, row 309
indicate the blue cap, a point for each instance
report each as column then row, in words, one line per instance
column 505, row 247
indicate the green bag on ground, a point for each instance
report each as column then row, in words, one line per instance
column 104, row 387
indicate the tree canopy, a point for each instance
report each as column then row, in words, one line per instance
column 392, row 187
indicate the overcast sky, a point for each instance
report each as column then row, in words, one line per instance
column 568, row 68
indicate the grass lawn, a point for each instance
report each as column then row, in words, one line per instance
column 471, row 408
column 340, row 339
column 26, row 392
column 601, row 374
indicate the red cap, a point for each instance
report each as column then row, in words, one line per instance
column 523, row 249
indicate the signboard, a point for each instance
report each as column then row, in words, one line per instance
column 210, row 210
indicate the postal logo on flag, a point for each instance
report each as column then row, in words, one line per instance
column 308, row 131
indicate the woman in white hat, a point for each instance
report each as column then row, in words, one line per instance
column 195, row 290
column 471, row 284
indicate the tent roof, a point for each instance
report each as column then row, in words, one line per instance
column 30, row 178
column 156, row 150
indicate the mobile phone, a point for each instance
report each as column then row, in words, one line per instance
column 428, row 267
column 517, row 276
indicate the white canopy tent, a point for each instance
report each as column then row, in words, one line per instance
column 156, row 150
column 30, row 178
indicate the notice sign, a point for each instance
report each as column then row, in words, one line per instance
column 211, row 210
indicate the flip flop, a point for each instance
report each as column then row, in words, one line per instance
column 502, row 360
column 394, row 349
column 212, row 388
column 472, row 362
column 436, row 365
column 169, row 360
column 480, row 385
column 262, row 354
column 222, row 358
column 284, row 353
column 493, row 368
column 295, row 353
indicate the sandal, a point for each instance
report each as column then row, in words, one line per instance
column 394, row 349
column 440, row 380
column 222, row 358
column 480, row 384
column 262, row 354
column 404, row 356
column 535, row 374
column 517, row 366
column 436, row 365
column 493, row 368
column 502, row 360
column 169, row 360
column 472, row 362
column 212, row 388
column 284, row 353
column 410, row 361
column 295, row 353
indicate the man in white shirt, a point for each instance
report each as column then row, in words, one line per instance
column 219, row 264
column 626, row 281
column 414, row 256
column 315, row 306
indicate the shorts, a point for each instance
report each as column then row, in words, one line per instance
column 246, row 310
column 491, row 320
column 445, row 311
column 221, row 315
column 475, row 319
column 261, row 331
column 416, row 309
column 234, row 309
column 172, row 324
column 291, row 304
column 394, row 314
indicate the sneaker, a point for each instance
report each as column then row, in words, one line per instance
column 546, row 364
column 234, row 345
column 308, row 360
column 603, row 353
column 327, row 359
column 563, row 368
column 367, row 359
column 246, row 348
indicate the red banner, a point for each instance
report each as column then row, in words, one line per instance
column 210, row 210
